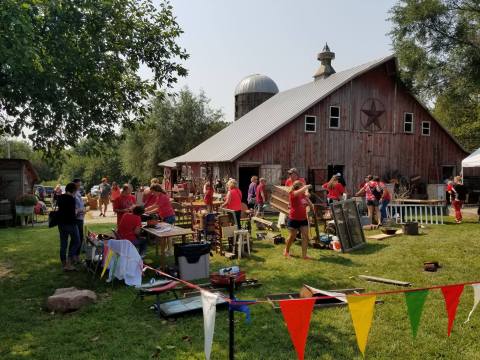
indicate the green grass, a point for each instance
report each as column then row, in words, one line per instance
column 118, row 328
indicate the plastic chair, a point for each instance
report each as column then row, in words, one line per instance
column 240, row 239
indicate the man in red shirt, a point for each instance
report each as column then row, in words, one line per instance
column 260, row 196
column 293, row 176
column 130, row 228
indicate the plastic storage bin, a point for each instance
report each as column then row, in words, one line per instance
column 193, row 260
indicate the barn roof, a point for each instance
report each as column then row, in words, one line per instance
column 264, row 120
column 171, row 163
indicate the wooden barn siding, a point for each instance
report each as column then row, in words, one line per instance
column 362, row 152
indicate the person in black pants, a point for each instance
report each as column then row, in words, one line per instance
column 67, row 226
column 80, row 215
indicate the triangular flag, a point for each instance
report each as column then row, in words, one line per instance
column 476, row 299
column 107, row 262
column 242, row 306
column 361, row 310
column 209, row 305
column 297, row 315
column 415, row 301
column 452, row 298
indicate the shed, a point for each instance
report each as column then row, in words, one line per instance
column 17, row 177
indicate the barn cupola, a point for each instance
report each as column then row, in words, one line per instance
column 325, row 58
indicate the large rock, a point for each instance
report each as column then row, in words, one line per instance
column 70, row 299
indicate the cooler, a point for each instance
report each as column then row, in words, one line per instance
column 193, row 260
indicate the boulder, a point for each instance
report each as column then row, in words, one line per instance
column 70, row 299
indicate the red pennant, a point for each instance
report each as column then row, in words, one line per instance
column 297, row 315
column 451, row 295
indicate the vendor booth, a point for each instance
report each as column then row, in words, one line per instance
column 471, row 174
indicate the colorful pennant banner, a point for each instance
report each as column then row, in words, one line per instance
column 415, row 301
column 297, row 314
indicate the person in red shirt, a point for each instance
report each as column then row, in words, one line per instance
column 261, row 197
column 124, row 203
column 162, row 206
column 450, row 192
column 297, row 217
column 208, row 196
column 373, row 194
column 233, row 200
column 335, row 190
column 293, row 176
column 130, row 228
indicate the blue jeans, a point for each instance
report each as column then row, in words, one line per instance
column 170, row 219
column 68, row 230
column 383, row 209
column 79, row 223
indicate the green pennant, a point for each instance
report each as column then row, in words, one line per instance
column 415, row 301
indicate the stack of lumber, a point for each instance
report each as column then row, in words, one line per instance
column 279, row 198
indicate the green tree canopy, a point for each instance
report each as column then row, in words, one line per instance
column 176, row 125
column 438, row 46
column 69, row 69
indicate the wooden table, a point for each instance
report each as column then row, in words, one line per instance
column 159, row 236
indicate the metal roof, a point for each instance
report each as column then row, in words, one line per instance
column 169, row 163
column 256, row 83
column 246, row 132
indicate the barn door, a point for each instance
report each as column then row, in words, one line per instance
column 271, row 173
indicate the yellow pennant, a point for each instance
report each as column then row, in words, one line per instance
column 361, row 310
column 107, row 261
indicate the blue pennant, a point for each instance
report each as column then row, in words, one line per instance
column 242, row 306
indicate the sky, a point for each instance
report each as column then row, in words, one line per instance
column 228, row 40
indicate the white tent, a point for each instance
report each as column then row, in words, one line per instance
column 472, row 160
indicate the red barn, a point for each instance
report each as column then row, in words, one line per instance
column 357, row 122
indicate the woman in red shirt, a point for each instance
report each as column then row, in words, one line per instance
column 208, row 196
column 335, row 190
column 115, row 192
column 130, row 227
column 162, row 206
column 124, row 203
column 233, row 200
column 297, row 217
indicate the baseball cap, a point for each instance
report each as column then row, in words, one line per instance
column 293, row 171
column 338, row 175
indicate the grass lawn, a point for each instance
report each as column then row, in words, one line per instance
column 116, row 328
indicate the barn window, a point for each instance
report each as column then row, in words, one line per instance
column 334, row 117
column 310, row 123
column 408, row 123
column 426, row 128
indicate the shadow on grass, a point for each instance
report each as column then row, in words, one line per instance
column 337, row 260
column 369, row 248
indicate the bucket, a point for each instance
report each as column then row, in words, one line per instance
column 410, row 228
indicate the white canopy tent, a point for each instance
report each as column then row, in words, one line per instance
column 472, row 160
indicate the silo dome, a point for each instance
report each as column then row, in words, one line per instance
column 256, row 83
column 251, row 92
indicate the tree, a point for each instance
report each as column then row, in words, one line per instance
column 438, row 46
column 90, row 161
column 176, row 125
column 69, row 69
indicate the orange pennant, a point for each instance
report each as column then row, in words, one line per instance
column 297, row 314
column 451, row 294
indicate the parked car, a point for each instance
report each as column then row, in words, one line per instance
column 95, row 190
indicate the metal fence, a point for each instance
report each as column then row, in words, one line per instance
column 421, row 213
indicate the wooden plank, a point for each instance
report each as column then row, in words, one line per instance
column 380, row 236
column 384, row 281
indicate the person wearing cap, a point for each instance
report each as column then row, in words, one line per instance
column 293, row 176
column 79, row 217
column 297, row 217
column 335, row 190
column 341, row 180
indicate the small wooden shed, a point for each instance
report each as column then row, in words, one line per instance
column 17, row 177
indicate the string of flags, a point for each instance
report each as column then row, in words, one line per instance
column 297, row 312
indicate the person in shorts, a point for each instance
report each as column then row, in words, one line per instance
column 105, row 192
column 373, row 193
column 297, row 217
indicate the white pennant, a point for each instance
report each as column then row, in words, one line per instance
column 476, row 299
column 209, row 304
